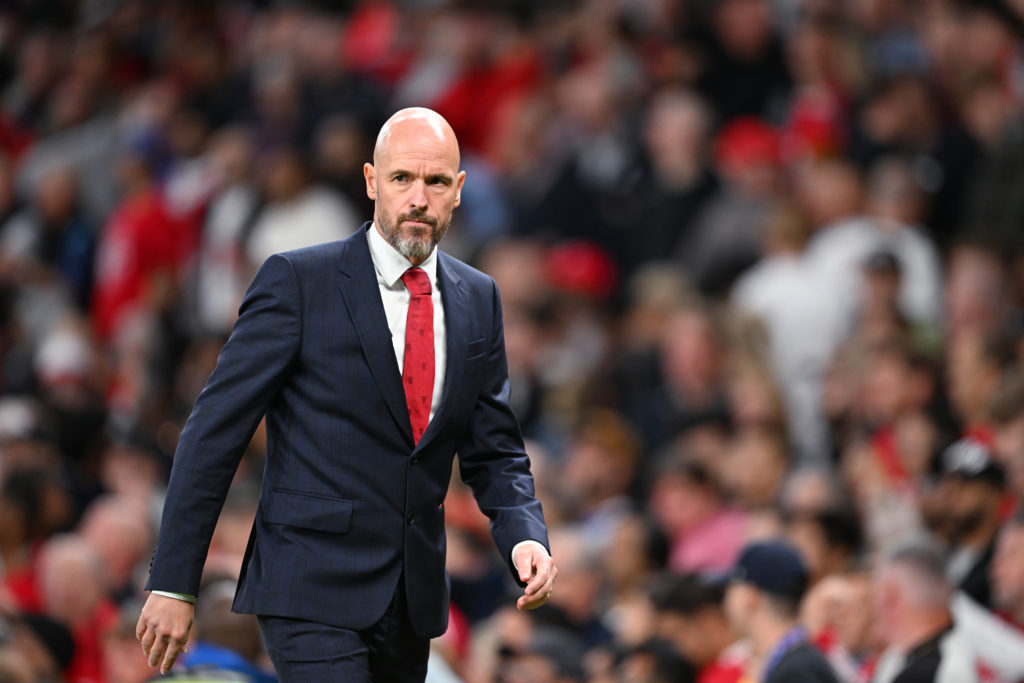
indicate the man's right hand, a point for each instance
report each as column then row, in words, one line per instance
column 163, row 629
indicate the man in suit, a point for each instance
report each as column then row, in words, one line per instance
column 375, row 360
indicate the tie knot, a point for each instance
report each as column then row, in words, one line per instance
column 416, row 281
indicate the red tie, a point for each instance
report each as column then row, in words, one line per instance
column 418, row 368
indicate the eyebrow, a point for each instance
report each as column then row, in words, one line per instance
column 446, row 178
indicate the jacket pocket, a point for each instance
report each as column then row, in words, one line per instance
column 308, row 511
column 476, row 349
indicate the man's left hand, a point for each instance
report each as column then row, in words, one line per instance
column 538, row 571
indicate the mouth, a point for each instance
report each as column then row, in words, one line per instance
column 418, row 223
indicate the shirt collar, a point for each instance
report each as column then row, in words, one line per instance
column 391, row 265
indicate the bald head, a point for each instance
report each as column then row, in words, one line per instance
column 414, row 181
column 415, row 124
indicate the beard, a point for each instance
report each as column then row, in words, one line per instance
column 414, row 247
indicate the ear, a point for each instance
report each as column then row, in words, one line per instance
column 370, row 173
column 459, row 180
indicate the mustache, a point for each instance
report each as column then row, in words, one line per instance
column 419, row 217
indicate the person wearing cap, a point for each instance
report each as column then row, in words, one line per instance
column 762, row 601
column 972, row 495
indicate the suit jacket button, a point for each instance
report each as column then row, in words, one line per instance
column 411, row 518
column 415, row 459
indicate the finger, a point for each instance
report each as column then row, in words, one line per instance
column 526, row 569
column 542, row 576
column 140, row 630
column 147, row 640
column 533, row 600
column 528, row 603
column 157, row 653
column 173, row 648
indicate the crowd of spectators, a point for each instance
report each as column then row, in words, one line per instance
column 762, row 267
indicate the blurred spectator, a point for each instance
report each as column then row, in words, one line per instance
column 972, row 492
column 72, row 586
column 1007, row 413
column 124, row 661
column 140, row 250
column 762, row 601
column 1007, row 572
column 828, row 540
column 600, row 463
column 577, row 608
column 727, row 234
column 52, row 238
column 704, row 533
column 297, row 213
column 839, row 615
column 552, row 656
column 912, row 598
column 46, row 644
column 224, row 641
column 691, row 617
column 220, row 265
column 654, row 662
column 754, row 467
column 747, row 72
column 976, row 281
column 118, row 529
column 677, row 142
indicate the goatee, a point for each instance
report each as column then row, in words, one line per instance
column 414, row 248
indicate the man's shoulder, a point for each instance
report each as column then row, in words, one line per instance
column 317, row 255
column 464, row 271
column 803, row 663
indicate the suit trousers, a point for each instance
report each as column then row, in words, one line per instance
column 389, row 651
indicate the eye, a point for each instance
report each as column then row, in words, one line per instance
column 400, row 178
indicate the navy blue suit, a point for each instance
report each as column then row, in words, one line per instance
column 349, row 503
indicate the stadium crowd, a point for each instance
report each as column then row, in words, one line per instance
column 762, row 267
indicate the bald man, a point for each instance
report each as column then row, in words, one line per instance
column 375, row 360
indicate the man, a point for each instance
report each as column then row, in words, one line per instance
column 912, row 607
column 375, row 360
column 972, row 494
column 1008, row 571
column 690, row 615
column 762, row 602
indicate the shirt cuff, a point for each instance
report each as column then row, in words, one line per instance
column 185, row 597
column 517, row 546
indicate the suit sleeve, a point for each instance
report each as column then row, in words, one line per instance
column 493, row 460
column 252, row 367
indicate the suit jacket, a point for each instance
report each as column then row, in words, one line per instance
column 349, row 503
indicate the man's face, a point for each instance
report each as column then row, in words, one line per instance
column 740, row 600
column 969, row 505
column 1008, row 569
column 416, row 185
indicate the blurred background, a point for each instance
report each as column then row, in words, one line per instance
column 762, row 264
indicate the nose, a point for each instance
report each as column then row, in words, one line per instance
column 418, row 198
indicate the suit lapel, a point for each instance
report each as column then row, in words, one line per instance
column 358, row 284
column 454, row 301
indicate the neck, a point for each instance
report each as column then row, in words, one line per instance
column 981, row 536
column 914, row 631
column 767, row 632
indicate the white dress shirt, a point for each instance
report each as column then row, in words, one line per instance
column 390, row 266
